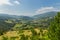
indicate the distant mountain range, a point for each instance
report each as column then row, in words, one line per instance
column 39, row 16
column 45, row 15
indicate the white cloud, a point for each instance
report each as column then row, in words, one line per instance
column 16, row 2
column 2, row 2
column 7, row 2
column 46, row 9
column 10, row 12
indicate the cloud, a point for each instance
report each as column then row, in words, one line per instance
column 46, row 9
column 16, row 2
column 7, row 2
column 10, row 12
column 2, row 2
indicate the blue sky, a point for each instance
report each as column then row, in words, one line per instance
column 28, row 7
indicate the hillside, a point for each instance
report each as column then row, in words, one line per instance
column 19, row 27
column 46, row 15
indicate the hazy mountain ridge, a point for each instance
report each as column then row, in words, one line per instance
column 48, row 14
column 45, row 15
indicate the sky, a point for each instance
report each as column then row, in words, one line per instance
column 28, row 7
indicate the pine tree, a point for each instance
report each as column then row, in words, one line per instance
column 54, row 29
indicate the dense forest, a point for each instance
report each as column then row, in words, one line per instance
column 39, row 27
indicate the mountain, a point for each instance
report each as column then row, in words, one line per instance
column 6, row 16
column 45, row 15
column 39, row 16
